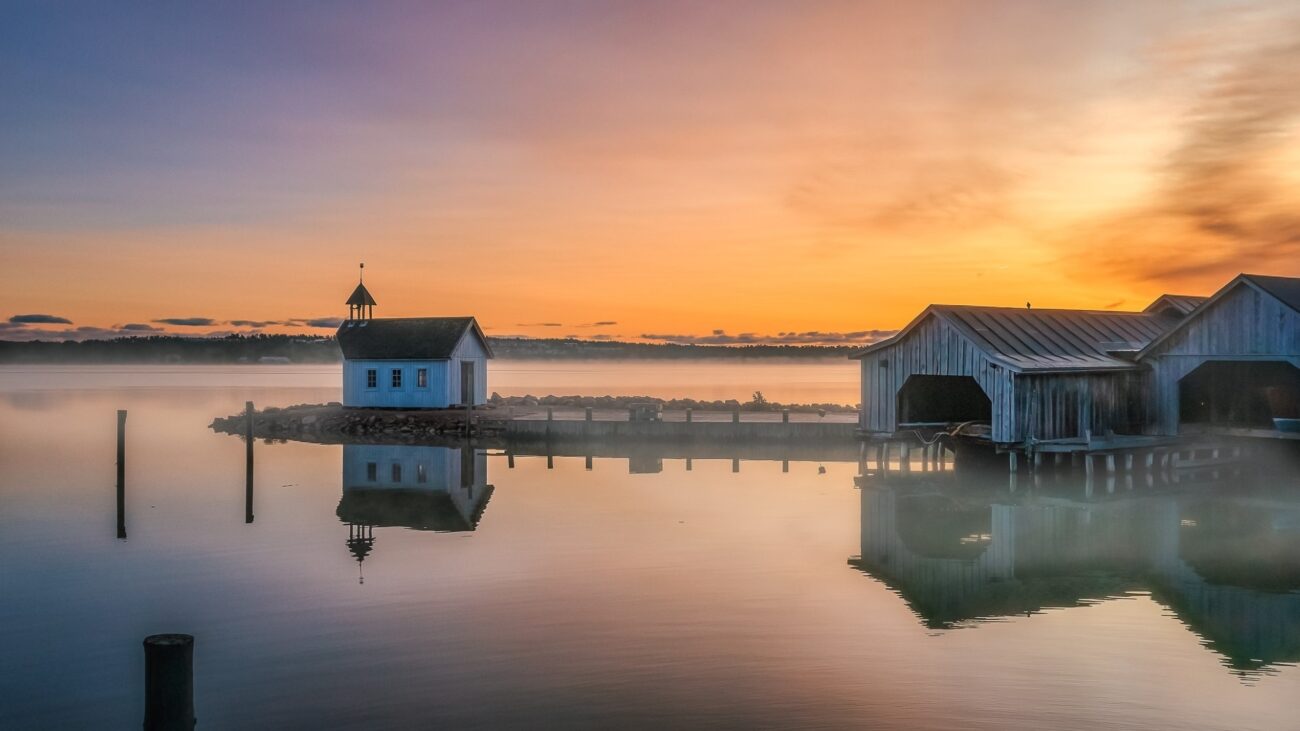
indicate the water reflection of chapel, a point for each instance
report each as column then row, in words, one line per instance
column 421, row 488
column 1227, row 566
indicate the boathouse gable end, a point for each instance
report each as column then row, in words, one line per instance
column 1251, row 320
column 929, row 346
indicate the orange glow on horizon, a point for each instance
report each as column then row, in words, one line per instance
column 674, row 170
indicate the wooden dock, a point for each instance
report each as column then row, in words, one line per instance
column 737, row 427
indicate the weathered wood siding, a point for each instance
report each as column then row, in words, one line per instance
column 1065, row 405
column 1244, row 324
column 932, row 348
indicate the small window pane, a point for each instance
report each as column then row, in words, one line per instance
column 421, row 473
column 397, row 472
column 421, row 377
column 372, row 471
column 397, row 378
column 372, row 378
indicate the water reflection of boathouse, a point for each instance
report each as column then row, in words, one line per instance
column 1228, row 567
column 421, row 488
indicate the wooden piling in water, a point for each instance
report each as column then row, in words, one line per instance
column 169, row 682
column 248, row 462
column 121, row 473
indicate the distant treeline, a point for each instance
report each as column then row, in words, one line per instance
column 309, row 349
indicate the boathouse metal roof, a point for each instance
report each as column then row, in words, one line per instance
column 1182, row 304
column 406, row 338
column 1285, row 289
column 1044, row 340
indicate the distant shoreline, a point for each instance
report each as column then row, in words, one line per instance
column 300, row 350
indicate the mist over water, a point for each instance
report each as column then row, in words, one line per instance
column 634, row 594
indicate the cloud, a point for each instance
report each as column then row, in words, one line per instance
column 187, row 321
column 321, row 322
column 1225, row 196
column 539, row 324
column 39, row 320
column 139, row 327
column 811, row 337
column 258, row 323
column 598, row 323
column 16, row 332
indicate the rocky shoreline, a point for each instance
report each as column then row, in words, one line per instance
column 332, row 422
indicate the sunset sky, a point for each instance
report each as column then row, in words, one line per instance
column 636, row 170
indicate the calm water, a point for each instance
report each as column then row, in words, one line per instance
column 634, row 594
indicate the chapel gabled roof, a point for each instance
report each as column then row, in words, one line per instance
column 407, row 338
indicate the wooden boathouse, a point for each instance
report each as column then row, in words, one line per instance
column 1232, row 366
column 1019, row 377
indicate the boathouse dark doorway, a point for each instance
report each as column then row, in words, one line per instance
column 942, row 400
column 1239, row 394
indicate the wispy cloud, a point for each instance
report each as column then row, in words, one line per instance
column 539, row 324
column 258, row 323
column 139, row 327
column 1225, row 196
column 598, row 323
column 812, row 337
column 320, row 322
column 39, row 320
column 187, row 321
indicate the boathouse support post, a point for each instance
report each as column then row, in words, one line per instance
column 169, row 682
column 1012, row 462
column 905, row 456
column 121, row 473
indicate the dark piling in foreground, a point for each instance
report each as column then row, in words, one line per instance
column 169, row 682
column 121, row 473
column 248, row 452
